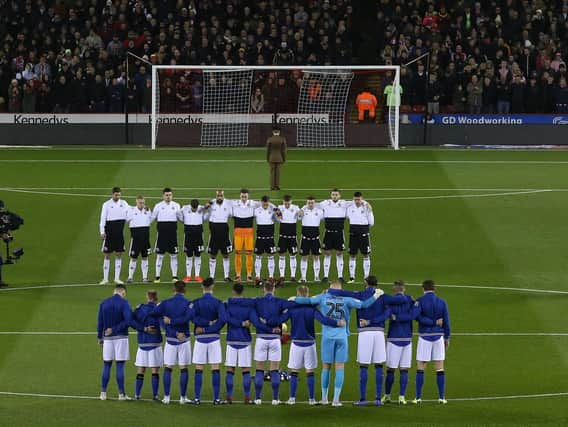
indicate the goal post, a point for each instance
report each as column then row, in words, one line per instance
column 236, row 106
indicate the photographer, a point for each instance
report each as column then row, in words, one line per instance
column 8, row 222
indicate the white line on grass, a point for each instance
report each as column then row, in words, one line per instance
column 493, row 288
column 180, row 188
column 305, row 161
column 445, row 196
column 457, row 399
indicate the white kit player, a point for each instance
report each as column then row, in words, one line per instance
column 335, row 211
column 311, row 218
column 288, row 240
column 265, row 216
column 361, row 219
column 166, row 215
column 111, row 228
column 192, row 216
column 219, row 211
column 139, row 218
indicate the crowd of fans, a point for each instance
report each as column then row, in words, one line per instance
column 485, row 56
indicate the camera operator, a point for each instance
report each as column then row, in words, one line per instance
column 8, row 221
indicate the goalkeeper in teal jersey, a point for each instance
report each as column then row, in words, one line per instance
column 335, row 340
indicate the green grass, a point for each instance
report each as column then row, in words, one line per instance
column 434, row 219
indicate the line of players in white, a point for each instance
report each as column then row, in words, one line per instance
column 333, row 212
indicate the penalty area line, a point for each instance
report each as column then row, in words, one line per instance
column 456, row 399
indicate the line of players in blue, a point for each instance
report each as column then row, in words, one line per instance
column 268, row 315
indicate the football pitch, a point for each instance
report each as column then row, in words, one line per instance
column 488, row 226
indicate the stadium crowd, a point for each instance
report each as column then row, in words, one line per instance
column 486, row 56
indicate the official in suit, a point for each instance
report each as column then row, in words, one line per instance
column 276, row 156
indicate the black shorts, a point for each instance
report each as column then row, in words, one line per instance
column 193, row 240
column 139, row 242
column 219, row 240
column 166, row 241
column 359, row 242
column 287, row 244
column 333, row 241
column 114, row 240
column 264, row 245
column 310, row 246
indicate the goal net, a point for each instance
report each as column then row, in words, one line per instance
column 314, row 107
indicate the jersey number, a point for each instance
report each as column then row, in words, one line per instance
column 335, row 310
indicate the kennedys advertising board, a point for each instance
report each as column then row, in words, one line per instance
column 487, row 119
column 165, row 119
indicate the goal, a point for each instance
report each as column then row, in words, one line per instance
column 314, row 106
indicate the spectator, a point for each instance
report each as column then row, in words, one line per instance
column 517, row 95
column 29, row 98
column 78, row 92
column 284, row 55
column 115, row 97
column 548, row 94
column 61, row 96
column 474, row 95
column 97, row 95
column 197, row 95
column 489, row 95
column 459, row 99
column 419, row 86
column 183, row 95
column 561, row 96
column 257, row 101
column 533, row 100
column 433, row 95
column 503, row 96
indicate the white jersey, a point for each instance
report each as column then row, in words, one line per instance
column 139, row 217
column 333, row 209
column 311, row 217
column 243, row 210
column 189, row 217
column 362, row 215
column 265, row 216
column 290, row 214
column 220, row 213
column 166, row 212
column 113, row 211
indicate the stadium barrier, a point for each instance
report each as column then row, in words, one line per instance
column 442, row 129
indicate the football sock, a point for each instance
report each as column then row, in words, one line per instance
column 325, row 377
column 293, row 384
column 246, row 384
column 441, row 382
column 311, row 385
column 167, row 381
column 197, row 265
column 155, row 384
column 419, row 383
column 339, row 264
column 249, row 263
column 198, row 383
column 352, row 266
column 106, row 375
column 159, row 260
column 229, row 383
column 106, row 268
column 378, row 381
column 304, row 267
column 212, row 267
column 326, row 265
column 131, row 268
column 403, row 382
column 275, row 381
column 339, row 374
column 188, row 265
column 183, row 380
column 257, row 266
column 316, row 268
column 293, row 264
column 366, row 266
column 139, row 384
column 226, row 266
column 238, row 262
column 144, row 264
column 117, row 268
column 363, row 377
column 120, row 376
column 216, row 382
column 389, row 381
column 174, row 265
column 282, row 265
column 258, row 383
column 271, row 266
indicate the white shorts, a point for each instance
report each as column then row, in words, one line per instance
column 177, row 354
column 371, row 347
column 302, row 357
column 116, row 349
column 238, row 357
column 207, row 352
column 270, row 350
column 149, row 358
column 430, row 350
column 399, row 356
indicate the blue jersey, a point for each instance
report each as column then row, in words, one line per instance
column 431, row 308
column 268, row 313
column 114, row 313
column 400, row 329
column 303, row 328
column 208, row 313
column 335, row 307
column 237, row 311
column 175, row 307
column 140, row 320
